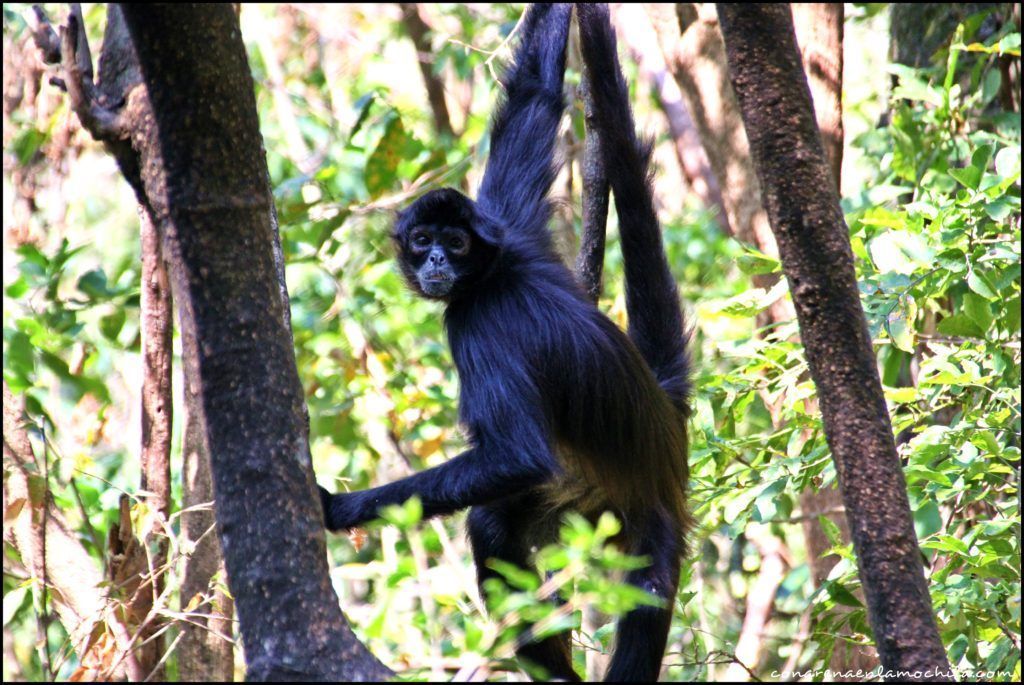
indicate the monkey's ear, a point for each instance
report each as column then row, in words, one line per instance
column 488, row 230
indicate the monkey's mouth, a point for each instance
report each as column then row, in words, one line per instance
column 437, row 284
column 438, row 276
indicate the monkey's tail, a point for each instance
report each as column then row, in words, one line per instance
column 652, row 301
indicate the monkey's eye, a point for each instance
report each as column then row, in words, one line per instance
column 457, row 244
column 420, row 240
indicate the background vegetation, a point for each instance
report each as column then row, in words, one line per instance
column 931, row 188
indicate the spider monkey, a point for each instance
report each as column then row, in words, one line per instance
column 563, row 410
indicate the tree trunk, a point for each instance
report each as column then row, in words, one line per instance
column 52, row 553
column 184, row 130
column 803, row 209
column 157, row 407
column 819, row 32
column 206, row 652
column 204, row 174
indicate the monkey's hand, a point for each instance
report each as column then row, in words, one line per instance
column 342, row 511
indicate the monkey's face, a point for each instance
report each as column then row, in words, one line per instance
column 439, row 256
column 440, row 250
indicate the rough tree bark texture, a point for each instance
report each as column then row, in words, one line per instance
column 819, row 32
column 206, row 650
column 204, row 175
column 196, row 163
column 157, row 405
column 803, row 208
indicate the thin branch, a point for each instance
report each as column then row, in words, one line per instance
column 43, row 35
column 76, row 61
column 78, row 591
column 419, row 32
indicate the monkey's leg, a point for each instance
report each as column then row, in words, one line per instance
column 641, row 634
column 497, row 531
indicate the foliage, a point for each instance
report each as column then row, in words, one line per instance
column 936, row 234
column 937, row 241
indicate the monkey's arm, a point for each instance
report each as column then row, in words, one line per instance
column 474, row 477
column 520, row 169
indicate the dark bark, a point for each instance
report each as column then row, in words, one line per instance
column 803, row 209
column 819, row 32
column 204, row 175
column 194, row 156
column 590, row 258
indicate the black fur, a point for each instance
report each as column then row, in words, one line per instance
column 563, row 409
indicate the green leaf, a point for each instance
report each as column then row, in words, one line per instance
column 26, row 144
column 111, row 324
column 978, row 310
column 916, row 471
column 946, row 543
column 756, row 263
column 17, row 289
column 1010, row 320
column 901, row 252
column 831, row 530
column 999, row 209
column 981, row 157
column 990, row 86
column 913, row 87
column 899, row 323
column 94, row 284
column 382, row 165
column 968, row 176
column 901, row 395
column 960, row 326
column 843, row 596
column 979, row 283
column 31, row 254
column 515, row 576
column 958, row 648
column 362, row 105
column 20, row 355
